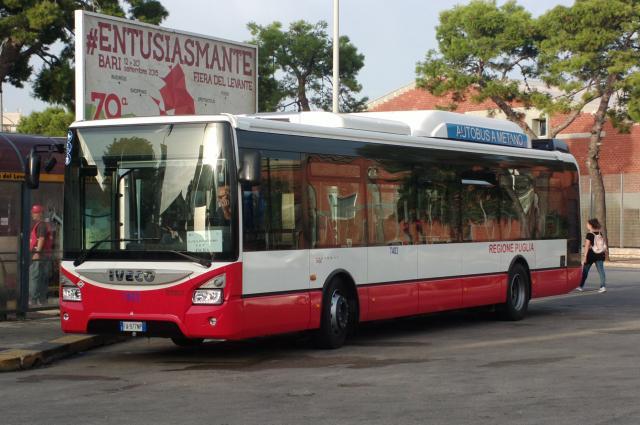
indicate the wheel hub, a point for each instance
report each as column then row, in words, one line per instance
column 339, row 312
column 517, row 292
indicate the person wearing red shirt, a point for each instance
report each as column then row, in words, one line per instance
column 40, row 248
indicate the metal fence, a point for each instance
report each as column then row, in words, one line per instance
column 622, row 196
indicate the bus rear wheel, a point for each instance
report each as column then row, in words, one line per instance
column 515, row 308
column 337, row 317
column 187, row 342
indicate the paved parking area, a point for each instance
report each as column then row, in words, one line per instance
column 573, row 360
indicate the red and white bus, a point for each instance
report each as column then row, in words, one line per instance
column 229, row 227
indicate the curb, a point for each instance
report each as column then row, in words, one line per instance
column 45, row 353
column 622, row 265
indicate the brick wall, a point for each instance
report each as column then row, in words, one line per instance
column 619, row 153
column 415, row 99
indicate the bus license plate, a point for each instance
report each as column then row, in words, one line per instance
column 133, row 326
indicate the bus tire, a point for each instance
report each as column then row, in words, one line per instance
column 337, row 316
column 518, row 287
column 187, row 342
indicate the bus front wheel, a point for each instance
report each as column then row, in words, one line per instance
column 337, row 317
column 518, row 289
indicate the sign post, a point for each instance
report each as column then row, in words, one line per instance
column 126, row 68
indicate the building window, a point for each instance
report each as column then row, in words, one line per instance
column 540, row 126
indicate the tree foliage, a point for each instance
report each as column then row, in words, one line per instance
column 54, row 121
column 592, row 49
column 481, row 47
column 490, row 52
column 30, row 28
column 295, row 67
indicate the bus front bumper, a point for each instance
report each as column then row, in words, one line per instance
column 212, row 322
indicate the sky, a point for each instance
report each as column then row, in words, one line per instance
column 392, row 35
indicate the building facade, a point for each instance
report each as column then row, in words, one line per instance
column 10, row 121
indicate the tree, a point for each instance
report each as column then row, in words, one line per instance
column 593, row 46
column 490, row 52
column 54, row 121
column 296, row 66
column 29, row 28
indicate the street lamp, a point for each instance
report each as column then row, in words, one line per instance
column 1, row 81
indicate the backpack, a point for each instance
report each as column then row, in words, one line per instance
column 599, row 245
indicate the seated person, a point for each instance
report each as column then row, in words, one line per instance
column 222, row 215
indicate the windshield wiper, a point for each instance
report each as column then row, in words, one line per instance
column 204, row 262
column 85, row 253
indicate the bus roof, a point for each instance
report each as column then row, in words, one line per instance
column 437, row 129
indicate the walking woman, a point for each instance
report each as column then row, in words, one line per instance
column 595, row 248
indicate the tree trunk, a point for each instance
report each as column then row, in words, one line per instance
column 514, row 116
column 9, row 53
column 302, row 95
column 593, row 156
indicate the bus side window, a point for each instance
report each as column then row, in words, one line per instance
column 272, row 211
column 561, row 189
column 481, row 201
column 391, row 204
column 437, row 203
column 336, row 201
column 519, row 212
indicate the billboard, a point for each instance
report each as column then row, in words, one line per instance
column 125, row 68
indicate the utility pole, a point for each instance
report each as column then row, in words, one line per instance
column 336, row 55
column 2, row 81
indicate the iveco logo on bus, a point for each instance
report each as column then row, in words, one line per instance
column 121, row 275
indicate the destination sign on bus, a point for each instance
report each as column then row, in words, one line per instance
column 470, row 133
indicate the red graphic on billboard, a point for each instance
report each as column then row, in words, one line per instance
column 175, row 95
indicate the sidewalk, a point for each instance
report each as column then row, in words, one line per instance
column 624, row 258
column 38, row 340
column 623, row 264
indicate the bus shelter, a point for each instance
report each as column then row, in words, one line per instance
column 17, row 201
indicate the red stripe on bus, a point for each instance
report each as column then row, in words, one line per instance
column 280, row 313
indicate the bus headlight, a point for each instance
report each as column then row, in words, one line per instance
column 70, row 291
column 207, row 296
column 211, row 292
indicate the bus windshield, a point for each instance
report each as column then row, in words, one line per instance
column 156, row 192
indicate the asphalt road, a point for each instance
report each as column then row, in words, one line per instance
column 573, row 360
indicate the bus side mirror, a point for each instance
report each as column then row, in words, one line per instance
column 250, row 164
column 32, row 178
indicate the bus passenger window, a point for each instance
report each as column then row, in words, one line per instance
column 272, row 211
column 438, row 204
column 480, row 209
column 519, row 210
column 336, row 204
column 392, row 205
